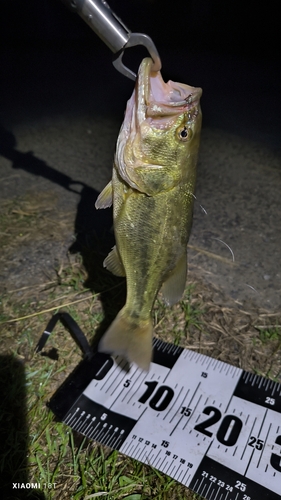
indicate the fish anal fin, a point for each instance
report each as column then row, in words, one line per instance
column 130, row 339
column 113, row 263
column 104, row 200
column 174, row 286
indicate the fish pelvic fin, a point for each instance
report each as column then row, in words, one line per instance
column 130, row 338
column 113, row 263
column 104, row 200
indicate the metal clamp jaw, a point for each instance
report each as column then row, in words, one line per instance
column 112, row 31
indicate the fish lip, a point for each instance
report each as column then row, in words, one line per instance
column 194, row 95
column 159, row 98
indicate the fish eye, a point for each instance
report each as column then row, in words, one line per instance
column 184, row 133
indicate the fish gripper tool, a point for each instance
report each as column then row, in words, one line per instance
column 113, row 32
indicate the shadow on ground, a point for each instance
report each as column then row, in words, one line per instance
column 14, row 434
column 30, row 163
column 92, row 228
column 94, row 240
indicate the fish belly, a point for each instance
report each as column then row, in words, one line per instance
column 151, row 236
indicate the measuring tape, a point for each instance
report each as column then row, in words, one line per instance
column 212, row 427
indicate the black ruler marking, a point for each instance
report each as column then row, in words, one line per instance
column 186, row 479
column 215, row 498
column 229, row 402
column 261, row 426
column 231, row 480
column 103, row 367
column 173, row 430
column 93, row 430
column 142, row 377
column 247, row 441
column 157, row 456
column 275, row 386
column 107, row 380
column 269, row 427
column 254, row 388
column 128, row 391
column 249, row 461
column 165, row 354
column 193, row 411
column 117, row 383
column 161, row 464
column 102, row 417
column 201, row 491
column 180, row 406
column 173, row 407
column 142, row 457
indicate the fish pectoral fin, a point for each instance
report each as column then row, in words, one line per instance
column 113, row 263
column 105, row 198
column 173, row 288
column 127, row 338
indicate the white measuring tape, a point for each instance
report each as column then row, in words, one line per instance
column 212, row 427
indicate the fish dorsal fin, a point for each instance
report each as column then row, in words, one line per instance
column 104, row 200
column 173, row 288
column 113, row 263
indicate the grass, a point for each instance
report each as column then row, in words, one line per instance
column 38, row 449
column 270, row 334
column 50, row 453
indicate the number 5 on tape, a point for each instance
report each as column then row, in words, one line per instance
column 211, row 426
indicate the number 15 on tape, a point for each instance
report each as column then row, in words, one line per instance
column 211, row 426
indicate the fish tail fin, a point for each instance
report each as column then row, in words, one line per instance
column 129, row 338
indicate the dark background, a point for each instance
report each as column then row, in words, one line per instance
column 51, row 60
column 233, row 27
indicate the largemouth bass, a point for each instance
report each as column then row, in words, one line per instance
column 152, row 191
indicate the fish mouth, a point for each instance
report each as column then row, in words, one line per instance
column 159, row 99
column 154, row 106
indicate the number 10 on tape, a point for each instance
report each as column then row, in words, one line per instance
column 213, row 427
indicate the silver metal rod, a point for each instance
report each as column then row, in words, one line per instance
column 98, row 15
column 113, row 32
